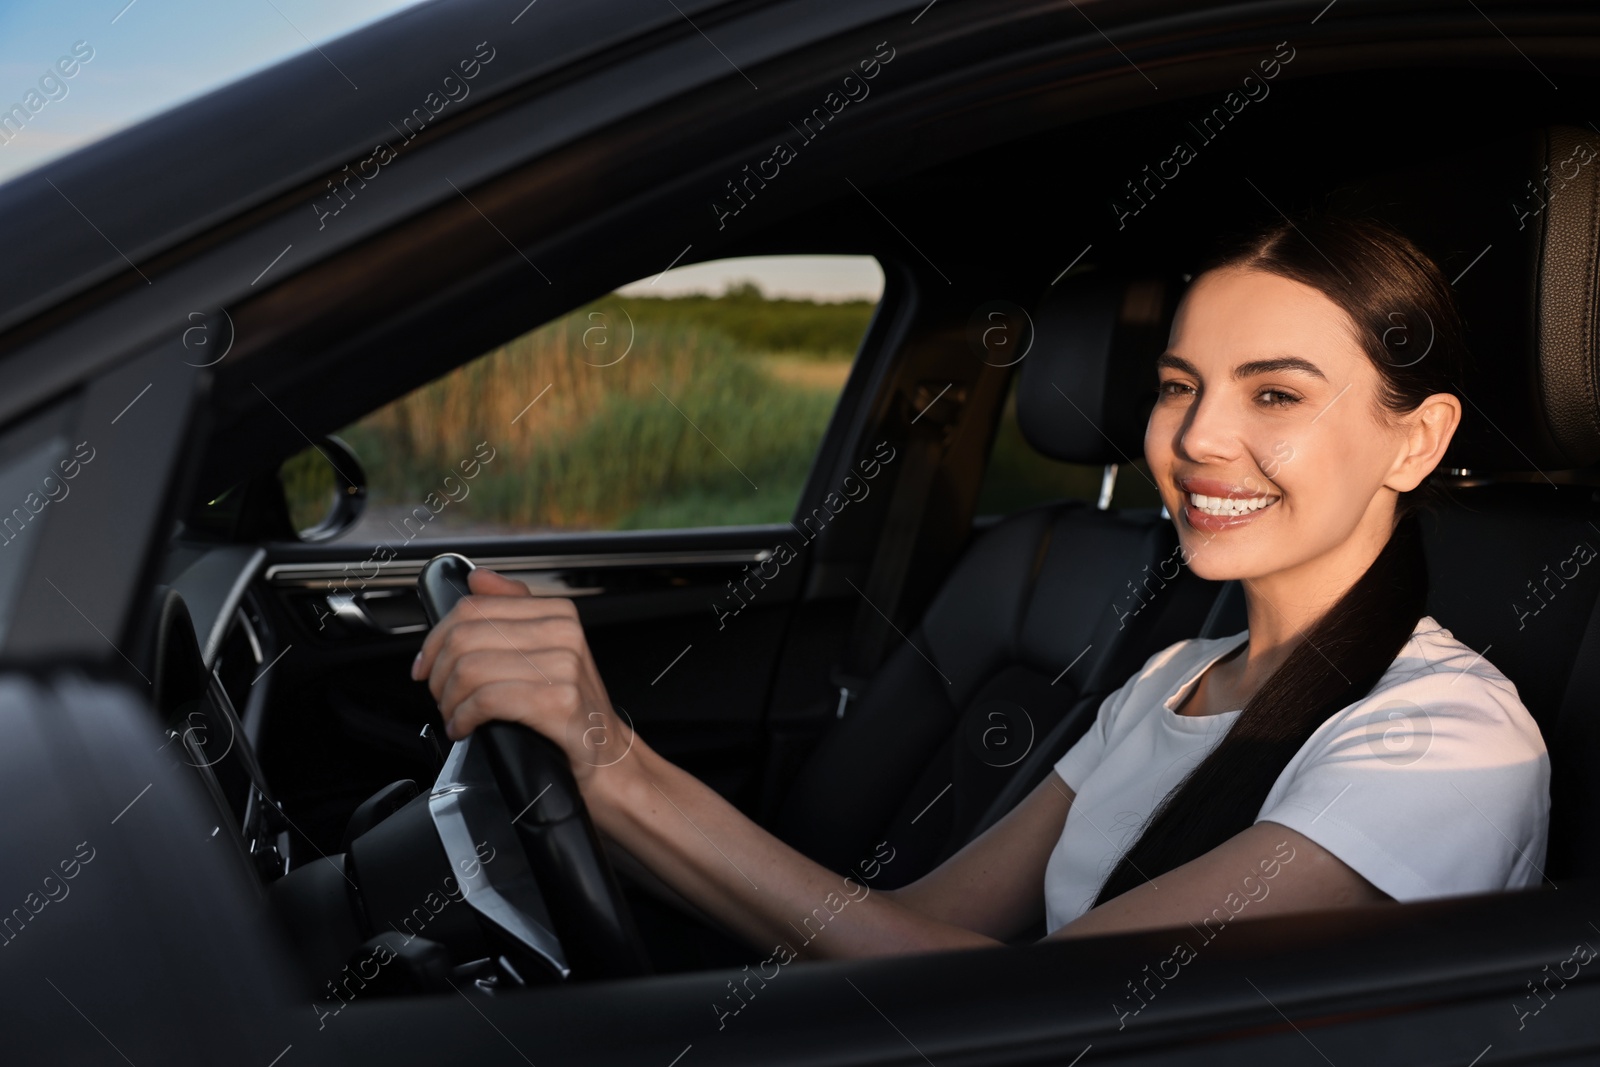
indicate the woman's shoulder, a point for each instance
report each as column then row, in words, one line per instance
column 1454, row 688
column 1434, row 656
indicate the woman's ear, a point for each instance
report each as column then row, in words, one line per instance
column 1428, row 431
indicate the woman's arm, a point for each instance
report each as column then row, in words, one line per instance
column 1267, row 869
column 995, row 884
column 726, row 865
column 512, row 656
column 991, row 886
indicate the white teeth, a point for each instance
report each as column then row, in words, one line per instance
column 1226, row 505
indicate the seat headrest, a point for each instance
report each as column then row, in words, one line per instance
column 1514, row 221
column 1567, row 296
column 1085, row 391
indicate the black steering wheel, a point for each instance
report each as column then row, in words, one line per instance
column 590, row 916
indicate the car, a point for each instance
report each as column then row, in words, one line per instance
column 238, row 834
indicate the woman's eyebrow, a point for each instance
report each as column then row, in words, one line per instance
column 1281, row 363
column 1244, row 370
column 1177, row 363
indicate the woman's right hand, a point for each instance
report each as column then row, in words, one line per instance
column 502, row 653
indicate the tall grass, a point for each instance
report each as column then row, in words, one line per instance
column 687, row 428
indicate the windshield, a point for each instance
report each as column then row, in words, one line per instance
column 74, row 71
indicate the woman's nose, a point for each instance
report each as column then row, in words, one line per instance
column 1209, row 430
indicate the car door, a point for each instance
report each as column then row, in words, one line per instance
column 663, row 461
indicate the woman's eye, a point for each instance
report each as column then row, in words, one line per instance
column 1172, row 388
column 1277, row 398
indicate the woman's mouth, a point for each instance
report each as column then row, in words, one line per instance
column 1216, row 511
column 1229, row 505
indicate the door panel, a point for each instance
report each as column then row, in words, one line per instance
column 1442, row 982
column 693, row 681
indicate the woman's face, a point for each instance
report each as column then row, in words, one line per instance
column 1265, row 440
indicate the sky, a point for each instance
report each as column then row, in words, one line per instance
column 816, row 277
column 149, row 55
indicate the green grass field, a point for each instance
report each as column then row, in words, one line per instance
column 650, row 413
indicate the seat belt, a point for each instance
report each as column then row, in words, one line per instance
column 931, row 418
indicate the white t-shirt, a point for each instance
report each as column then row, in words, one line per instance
column 1436, row 783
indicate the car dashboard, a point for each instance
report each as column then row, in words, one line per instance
column 215, row 648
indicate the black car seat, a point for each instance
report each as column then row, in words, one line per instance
column 1514, row 558
column 1044, row 613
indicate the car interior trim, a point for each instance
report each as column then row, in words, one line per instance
column 404, row 572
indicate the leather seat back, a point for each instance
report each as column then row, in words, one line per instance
column 1514, row 557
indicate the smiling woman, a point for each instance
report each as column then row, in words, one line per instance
column 1334, row 682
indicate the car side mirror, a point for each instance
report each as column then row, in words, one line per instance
column 325, row 487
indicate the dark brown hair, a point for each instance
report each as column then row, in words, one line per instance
column 1407, row 324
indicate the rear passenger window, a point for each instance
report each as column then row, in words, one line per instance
column 694, row 398
column 1018, row 477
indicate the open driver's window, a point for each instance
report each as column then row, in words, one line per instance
column 694, row 398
